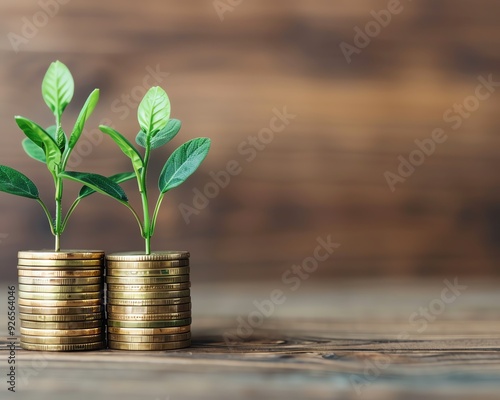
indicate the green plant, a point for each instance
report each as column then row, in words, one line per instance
column 157, row 129
column 52, row 147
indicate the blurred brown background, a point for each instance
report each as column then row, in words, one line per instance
column 322, row 175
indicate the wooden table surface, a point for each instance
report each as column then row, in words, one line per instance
column 431, row 339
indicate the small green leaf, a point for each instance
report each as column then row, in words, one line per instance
column 42, row 139
column 61, row 139
column 118, row 178
column 182, row 163
column 98, row 183
column 125, row 146
column 161, row 138
column 58, row 87
column 154, row 111
column 166, row 134
column 52, row 131
column 85, row 113
column 141, row 139
column 33, row 150
column 16, row 183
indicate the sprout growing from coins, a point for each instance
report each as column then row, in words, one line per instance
column 156, row 130
column 52, row 147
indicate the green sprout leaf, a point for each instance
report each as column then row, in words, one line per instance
column 33, row 150
column 61, row 139
column 16, row 183
column 58, row 88
column 97, row 183
column 118, row 178
column 162, row 137
column 43, row 140
column 125, row 146
column 182, row 163
column 85, row 113
column 154, row 111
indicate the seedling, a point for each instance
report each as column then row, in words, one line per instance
column 157, row 129
column 52, row 147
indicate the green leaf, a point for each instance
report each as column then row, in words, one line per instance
column 16, row 183
column 141, row 139
column 52, row 131
column 118, row 178
column 98, row 183
column 154, row 111
column 161, row 138
column 58, row 88
column 33, row 150
column 125, row 146
column 42, row 139
column 85, row 113
column 182, row 163
column 61, row 139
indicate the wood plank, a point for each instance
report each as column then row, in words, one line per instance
column 324, row 173
column 343, row 340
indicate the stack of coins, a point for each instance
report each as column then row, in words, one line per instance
column 61, row 302
column 148, row 301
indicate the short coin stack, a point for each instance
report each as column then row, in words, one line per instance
column 61, row 302
column 148, row 301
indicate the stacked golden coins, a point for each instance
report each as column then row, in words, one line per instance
column 148, row 301
column 61, row 302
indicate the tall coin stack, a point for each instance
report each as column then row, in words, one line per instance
column 148, row 301
column 61, row 302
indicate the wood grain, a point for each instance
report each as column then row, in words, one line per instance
column 324, row 174
column 313, row 351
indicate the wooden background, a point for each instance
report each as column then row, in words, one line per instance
column 323, row 175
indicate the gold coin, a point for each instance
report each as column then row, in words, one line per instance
column 149, row 302
column 28, row 280
column 149, row 317
column 83, row 273
column 63, row 339
column 62, row 325
column 61, row 255
column 149, row 331
column 61, row 268
column 147, row 272
column 59, row 303
column 155, row 256
column 147, row 264
column 60, row 289
column 148, row 288
column 147, row 295
column 61, row 332
column 149, row 339
column 61, row 296
column 148, row 309
column 149, row 346
column 120, row 280
column 59, row 263
column 63, row 347
column 61, row 318
column 149, row 324
column 61, row 310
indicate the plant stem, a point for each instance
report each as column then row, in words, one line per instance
column 145, row 204
column 47, row 213
column 155, row 213
column 135, row 215
column 58, row 221
column 68, row 214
